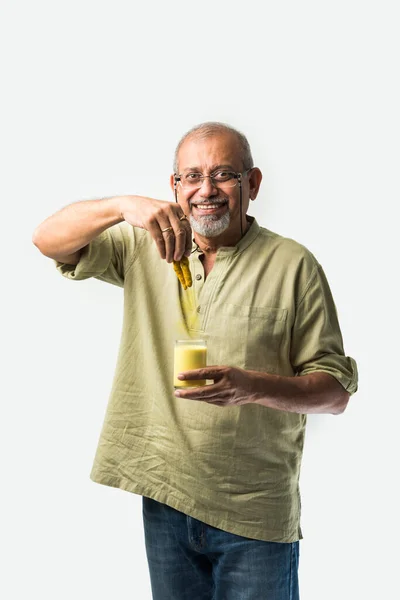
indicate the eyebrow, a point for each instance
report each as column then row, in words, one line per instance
column 213, row 168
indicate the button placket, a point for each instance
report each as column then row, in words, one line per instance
column 198, row 275
column 205, row 289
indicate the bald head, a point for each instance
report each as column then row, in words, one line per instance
column 213, row 128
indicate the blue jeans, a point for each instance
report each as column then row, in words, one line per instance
column 189, row 560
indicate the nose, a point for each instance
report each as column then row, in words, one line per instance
column 207, row 188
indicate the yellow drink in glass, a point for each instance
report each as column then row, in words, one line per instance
column 188, row 355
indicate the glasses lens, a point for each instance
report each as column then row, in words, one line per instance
column 222, row 179
column 191, row 181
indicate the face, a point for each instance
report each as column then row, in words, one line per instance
column 213, row 211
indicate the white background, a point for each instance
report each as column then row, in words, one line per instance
column 95, row 96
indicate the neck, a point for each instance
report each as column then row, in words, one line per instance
column 211, row 245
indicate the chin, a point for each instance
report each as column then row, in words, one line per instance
column 209, row 226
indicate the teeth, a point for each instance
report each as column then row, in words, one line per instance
column 208, row 205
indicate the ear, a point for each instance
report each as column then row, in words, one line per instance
column 255, row 178
column 172, row 182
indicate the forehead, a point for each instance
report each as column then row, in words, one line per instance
column 209, row 152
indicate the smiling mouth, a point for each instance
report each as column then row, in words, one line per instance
column 208, row 207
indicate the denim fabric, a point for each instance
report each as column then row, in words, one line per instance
column 189, row 560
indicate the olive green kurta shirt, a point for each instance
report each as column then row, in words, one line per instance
column 266, row 305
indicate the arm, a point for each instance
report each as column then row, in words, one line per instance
column 313, row 393
column 63, row 235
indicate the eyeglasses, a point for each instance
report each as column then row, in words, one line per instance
column 219, row 179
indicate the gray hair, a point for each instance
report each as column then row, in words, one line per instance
column 213, row 127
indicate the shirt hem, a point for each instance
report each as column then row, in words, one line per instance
column 186, row 506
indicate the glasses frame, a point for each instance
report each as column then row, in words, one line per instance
column 236, row 176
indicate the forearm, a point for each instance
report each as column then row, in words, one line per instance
column 313, row 393
column 74, row 226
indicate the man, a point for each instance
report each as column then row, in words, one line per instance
column 217, row 466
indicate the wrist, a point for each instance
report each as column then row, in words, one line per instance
column 259, row 385
column 120, row 206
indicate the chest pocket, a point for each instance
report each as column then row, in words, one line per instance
column 249, row 336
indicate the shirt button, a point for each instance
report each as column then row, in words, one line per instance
column 198, row 277
column 198, row 309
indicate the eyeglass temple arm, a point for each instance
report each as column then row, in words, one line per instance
column 176, row 179
column 239, row 178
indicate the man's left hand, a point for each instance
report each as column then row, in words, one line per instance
column 232, row 386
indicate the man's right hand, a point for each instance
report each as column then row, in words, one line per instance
column 165, row 221
column 63, row 235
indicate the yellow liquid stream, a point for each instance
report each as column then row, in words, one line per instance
column 187, row 358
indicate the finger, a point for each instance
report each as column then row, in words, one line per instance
column 188, row 242
column 206, row 393
column 183, row 234
column 163, row 235
column 211, row 372
column 169, row 241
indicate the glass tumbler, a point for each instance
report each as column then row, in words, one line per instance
column 188, row 355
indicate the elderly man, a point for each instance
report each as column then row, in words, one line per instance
column 217, row 465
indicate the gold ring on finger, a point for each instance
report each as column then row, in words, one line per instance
column 183, row 217
column 166, row 229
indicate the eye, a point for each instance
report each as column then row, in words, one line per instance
column 223, row 175
column 192, row 177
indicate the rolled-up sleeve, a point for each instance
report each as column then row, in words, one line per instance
column 317, row 343
column 106, row 257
